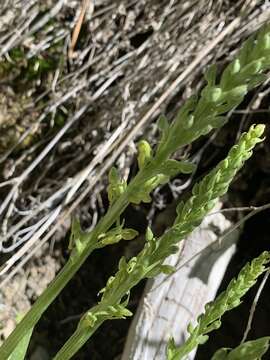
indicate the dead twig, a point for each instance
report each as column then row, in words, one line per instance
column 77, row 28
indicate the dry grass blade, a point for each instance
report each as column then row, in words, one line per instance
column 78, row 26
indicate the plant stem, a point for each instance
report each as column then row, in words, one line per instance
column 76, row 341
column 82, row 334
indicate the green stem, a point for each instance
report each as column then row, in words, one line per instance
column 76, row 341
column 83, row 334
column 190, row 345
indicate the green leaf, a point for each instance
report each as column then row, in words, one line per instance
column 142, row 192
column 167, row 269
column 20, row 350
column 129, row 234
column 116, row 187
column 145, row 153
column 116, row 234
column 77, row 240
column 173, row 167
column 252, row 68
column 75, row 233
column 163, row 124
column 212, row 94
column 237, row 93
column 211, row 74
column 170, row 352
column 149, row 236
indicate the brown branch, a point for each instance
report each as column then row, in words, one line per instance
column 77, row 28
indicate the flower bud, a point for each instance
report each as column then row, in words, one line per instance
column 253, row 68
column 236, row 66
column 212, row 94
column 266, row 42
column 237, row 92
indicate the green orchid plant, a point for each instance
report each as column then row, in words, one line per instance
column 198, row 116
